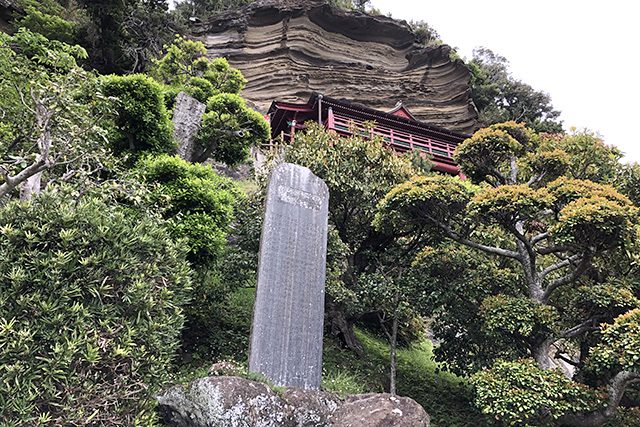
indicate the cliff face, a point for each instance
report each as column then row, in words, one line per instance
column 288, row 49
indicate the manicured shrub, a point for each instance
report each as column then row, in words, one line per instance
column 197, row 203
column 198, row 206
column 90, row 312
column 142, row 124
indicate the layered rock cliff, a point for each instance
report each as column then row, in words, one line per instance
column 287, row 49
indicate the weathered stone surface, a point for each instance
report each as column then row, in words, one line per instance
column 288, row 315
column 374, row 410
column 238, row 402
column 286, row 49
column 187, row 115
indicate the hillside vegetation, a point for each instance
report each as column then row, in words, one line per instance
column 124, row 268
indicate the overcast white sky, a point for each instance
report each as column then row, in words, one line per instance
column 582, row 53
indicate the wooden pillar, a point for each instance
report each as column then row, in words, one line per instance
column 293, row 130
column 331, row 121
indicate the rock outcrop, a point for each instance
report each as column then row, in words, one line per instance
column 187, row 116
column 237, row 402
column 286, row 49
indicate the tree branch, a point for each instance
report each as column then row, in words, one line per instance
column 585, row 263
column 521, row 237
column 513, row 176
column 565, row 263
column 586, row 326
column 499, row 176
column 11, row 182
column 616, row 389
column 458, row 238
column 489, row 249
column 539, row 238
column 536, row 179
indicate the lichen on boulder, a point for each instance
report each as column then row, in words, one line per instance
column 237, row 402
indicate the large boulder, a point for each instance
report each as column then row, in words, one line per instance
column 238, row 402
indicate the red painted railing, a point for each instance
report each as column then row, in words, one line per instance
column 398, row 140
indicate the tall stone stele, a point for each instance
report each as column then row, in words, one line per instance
column 187, row 115
column 286, row 332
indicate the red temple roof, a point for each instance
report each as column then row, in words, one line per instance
column 402, row 111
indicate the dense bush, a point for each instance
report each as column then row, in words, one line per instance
column 90, row 312
column 219, row 316
column 195, row 200
column 142, row 124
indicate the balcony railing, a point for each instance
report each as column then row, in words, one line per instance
column 398, row 140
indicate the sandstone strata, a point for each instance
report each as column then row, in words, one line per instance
column 289, row 48
column 231, row 401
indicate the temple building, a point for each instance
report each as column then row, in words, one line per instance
column 398, row 127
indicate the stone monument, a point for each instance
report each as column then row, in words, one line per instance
column 286, row 332
column 187, row 115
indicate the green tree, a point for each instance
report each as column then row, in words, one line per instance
column 197, row 203
column 198, row 206
column 228, row 127
column 358, row 173
column 393, row 295
column 47, row 18
column 105, row 45
column 499, row 97
column 49, row 112
column 455, row 281
column 185, row 67
column 628, row 181
column 424, row 33
column 558, row 231
column 123, row 35
column 588, row 157
column 185, row 60
column 219, row 317
column 90, row 311
column 146, row 27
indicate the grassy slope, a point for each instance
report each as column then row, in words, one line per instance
column 445, row 397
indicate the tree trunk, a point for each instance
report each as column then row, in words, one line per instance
column 541, row 355
column 393, row 344
column 340, row 326
column 30, row 186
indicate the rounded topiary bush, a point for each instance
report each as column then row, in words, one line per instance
column 197, row 203
column 142, row 124
column 90, row 312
